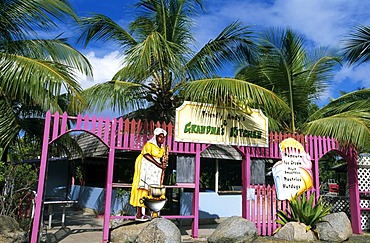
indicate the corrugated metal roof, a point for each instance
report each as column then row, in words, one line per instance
column 218, row 151
column 91, row 146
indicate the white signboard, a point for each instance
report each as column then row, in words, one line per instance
column 204, row 123
column 293, row 174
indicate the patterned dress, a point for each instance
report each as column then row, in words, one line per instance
column 147, row 171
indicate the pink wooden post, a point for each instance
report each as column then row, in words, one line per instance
column 108, row 187
column 132, row 133
column 195, row 208
column 169, row 135
column 146, row 137
column 245, row 186
column 252, row 210
column 258, row 190
column 264, row 189
column 93, row 124
column 126, row 134
column 106, row 131
column 354, row 193
column 316, row 178
column 64, row 123
column 269, row 205
column 324, row 147
column 79, row 122
column 40, row 186
column 55, row 126
column 316, row 148
column 120, row 132
column 100, row 127
column 85, row 120
column 274, row 207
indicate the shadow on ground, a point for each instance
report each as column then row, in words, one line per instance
column 80, row 227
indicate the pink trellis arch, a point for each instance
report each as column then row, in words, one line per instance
column 55, row 127
column 132, row 135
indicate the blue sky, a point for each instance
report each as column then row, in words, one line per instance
column 321, row 22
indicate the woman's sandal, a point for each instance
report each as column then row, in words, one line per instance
column 143, row 218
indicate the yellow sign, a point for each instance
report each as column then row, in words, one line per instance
column 293, row 174
column 204, row 123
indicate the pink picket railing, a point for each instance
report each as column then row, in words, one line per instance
column 131, row 135
column 263, row 208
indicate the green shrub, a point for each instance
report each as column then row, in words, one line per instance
column 304, row 211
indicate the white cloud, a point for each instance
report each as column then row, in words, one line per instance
column 347, row 79
column 103, row 68
column 322, row 22
column 359, row 76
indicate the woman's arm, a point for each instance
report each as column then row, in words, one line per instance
column 151, row 159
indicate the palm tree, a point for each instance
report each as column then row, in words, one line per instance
column 348, row 117
column 34, row 72
column 285, row 69
column 297, row 76
column 160, row 63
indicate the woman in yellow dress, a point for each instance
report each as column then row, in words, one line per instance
column 148, row 170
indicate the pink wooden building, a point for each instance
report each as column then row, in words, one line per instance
column 131, row 135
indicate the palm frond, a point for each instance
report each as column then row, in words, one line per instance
column 154, row 54
column 9, row 127
column 356, row 100
column 351, row 127
column 357, row 46
column 170, row 18
column 54, row 50
column 118, row 95
column 223, row 91
column 346, row 118
column 20, row 18
column 39, row 80
column 320, row 67
column 233, row 45
column 101, row 27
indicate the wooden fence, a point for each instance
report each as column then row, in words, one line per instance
column 263, row 207
column 131, row 135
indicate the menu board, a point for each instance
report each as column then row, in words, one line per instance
column 293, row 174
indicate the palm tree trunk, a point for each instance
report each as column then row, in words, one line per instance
column 4, row 155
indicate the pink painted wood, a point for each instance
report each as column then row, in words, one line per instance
column 131, row 135
column 263, row 209
column 108, row 187
column 40, row 186
column 195, row 208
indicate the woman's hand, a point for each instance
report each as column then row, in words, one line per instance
column 164, row 162
column 151, row 159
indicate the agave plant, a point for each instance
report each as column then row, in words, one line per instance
column 303, row 210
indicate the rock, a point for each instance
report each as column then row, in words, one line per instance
column 234, row 229
column 295, row 231
column 335, row 227
column 10, row 230
column 156, row 230
column 127, row 232
column 160, row 230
